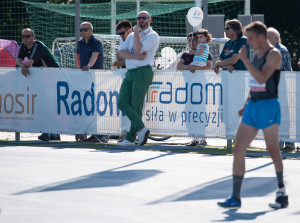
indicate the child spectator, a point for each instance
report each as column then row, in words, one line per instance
column 201, row 54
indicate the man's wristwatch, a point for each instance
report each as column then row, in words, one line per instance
column 89, row 65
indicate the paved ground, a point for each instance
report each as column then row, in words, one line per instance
column 173, row 140
column 51, row 184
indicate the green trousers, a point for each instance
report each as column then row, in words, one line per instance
column 131, row 97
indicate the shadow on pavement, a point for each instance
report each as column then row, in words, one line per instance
column 234, row 215
column 252, row 187
column 221, row 188
column 109, row 178
column 102, row 179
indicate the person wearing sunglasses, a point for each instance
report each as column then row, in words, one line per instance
column 89, row 52
column 124, row 28
column 89, row 55
column 35, row 51
column 38, row 55
column 229, row 59
column 138, row 50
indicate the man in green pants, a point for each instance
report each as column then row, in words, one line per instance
column 138, row 51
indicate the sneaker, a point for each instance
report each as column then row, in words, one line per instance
column 123, row 135
column 290, row 145
column 102, row 138
column 54, row 136
column 202, row 143
column 287, row 149
column 126, row 143
column 282, row 200
column 44, row 137
column 80, row 137
column 231, row 203
column 92, row 138
column 192, row 143
column 143, row 136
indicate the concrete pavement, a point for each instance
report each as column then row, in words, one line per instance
column 49, row 184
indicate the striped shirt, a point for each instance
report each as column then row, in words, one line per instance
column 204, row 56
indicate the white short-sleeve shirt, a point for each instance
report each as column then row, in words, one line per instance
column 122, row 42
column 150, row 43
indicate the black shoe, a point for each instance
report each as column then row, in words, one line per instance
column 92, row 138
column 97, row 138
column 114, row 137
column 282, row 201
column 202, row 143
column 288, row 149
column 103, row 138
column 54, row 137
column 44, row 137
column 193, row 143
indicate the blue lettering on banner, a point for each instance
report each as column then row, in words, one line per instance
column 104, row 101
column 166, row 93
column 76, row 103
column 101, row 93
column 202, row 117
column 63, row 98
column 193, row 93
column 91, row 95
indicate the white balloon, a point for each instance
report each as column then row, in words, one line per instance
column 163, row 62
column 195, row 16
column 168, row 52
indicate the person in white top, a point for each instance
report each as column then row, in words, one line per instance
column 124, row 28
column 138, row 50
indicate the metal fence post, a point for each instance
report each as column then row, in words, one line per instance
column 17, row 136
column 229, row 144
column 77, row 20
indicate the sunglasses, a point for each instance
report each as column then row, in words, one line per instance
column 142, row 18
column 122, row 33
column 227, row 28
column 84, row 30
column 26, row 36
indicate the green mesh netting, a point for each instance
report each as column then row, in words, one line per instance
column 102, row 11
column 51, row 21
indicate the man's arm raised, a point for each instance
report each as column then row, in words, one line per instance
column 273, row 62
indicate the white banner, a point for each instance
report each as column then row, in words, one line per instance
column 177, row 103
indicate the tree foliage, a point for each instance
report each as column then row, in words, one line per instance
column 283, row 16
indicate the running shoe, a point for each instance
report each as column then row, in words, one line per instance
column 143, row 136
column 231, row 203
column 282, row 200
